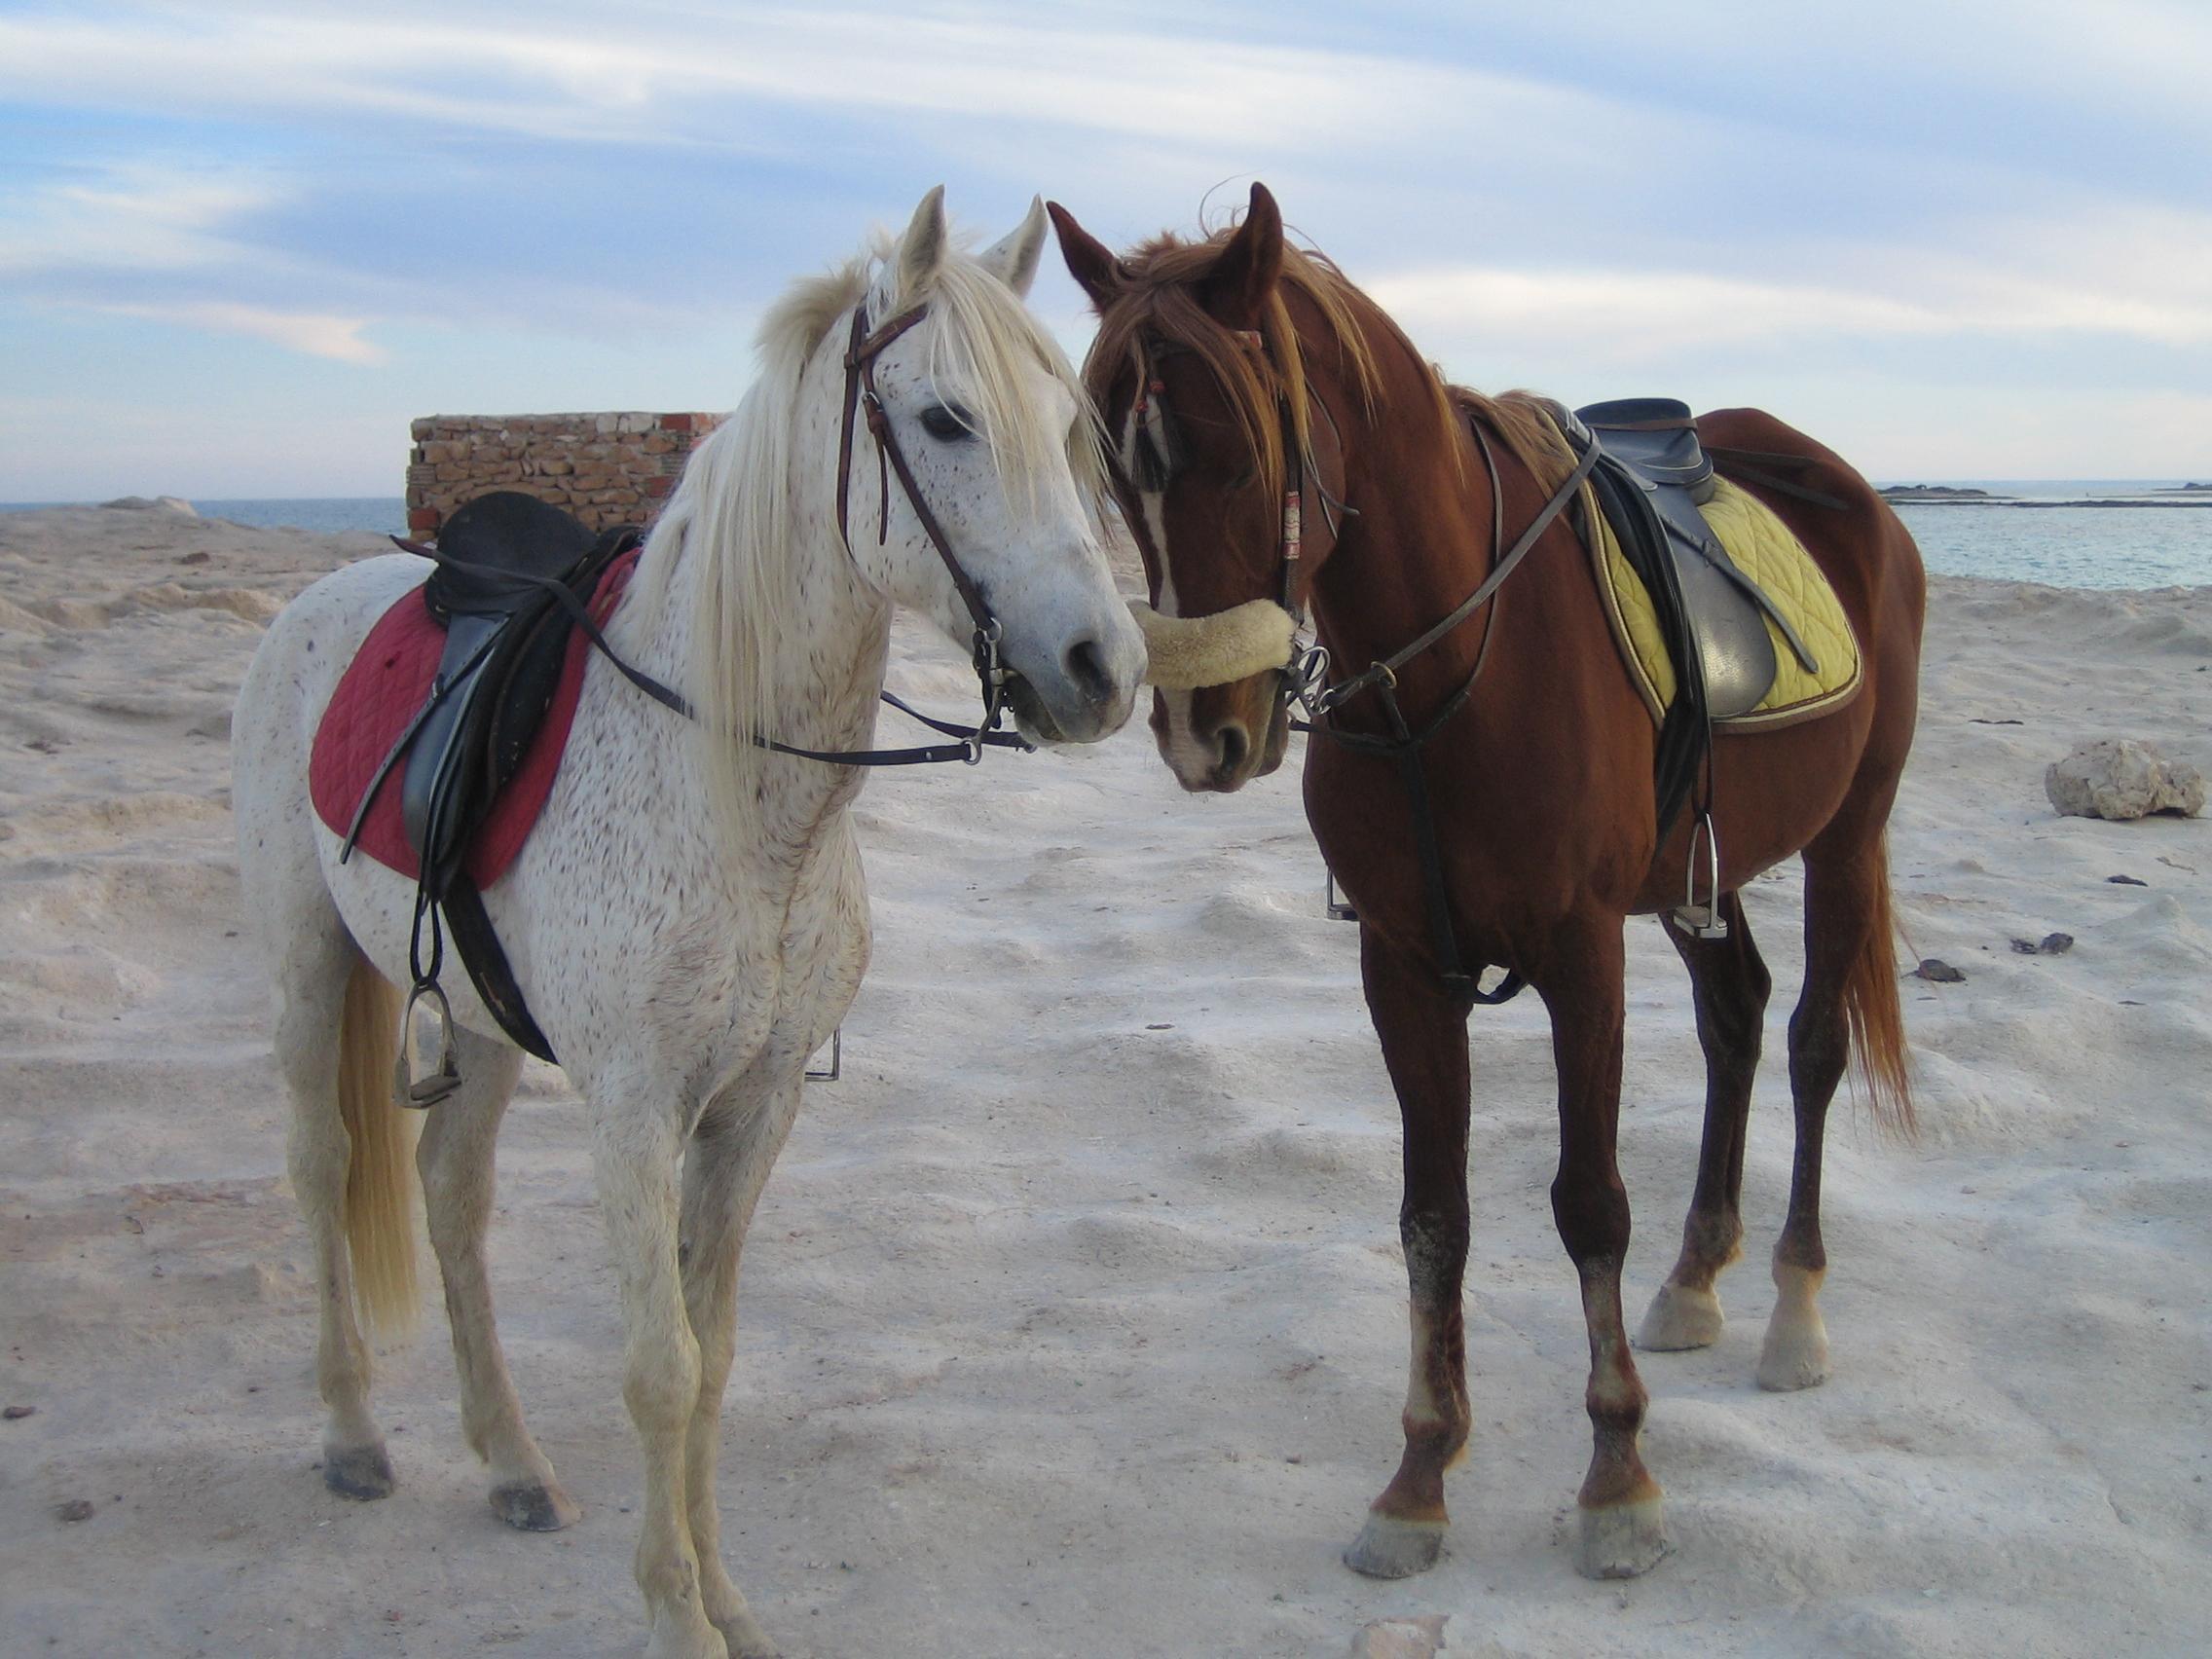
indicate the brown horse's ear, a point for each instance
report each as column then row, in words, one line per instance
column 1091, row 262
column 1236, row 290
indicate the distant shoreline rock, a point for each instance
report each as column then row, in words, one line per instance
column 153, row 504
column 1933, row 492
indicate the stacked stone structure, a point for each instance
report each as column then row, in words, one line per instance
column 606, row 469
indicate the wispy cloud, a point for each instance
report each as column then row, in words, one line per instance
column 662, row 75
column 314, row 334
column 147, row 217
column 2120, row 273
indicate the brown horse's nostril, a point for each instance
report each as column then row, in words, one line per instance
column 1236, row 744
column 1086, row 669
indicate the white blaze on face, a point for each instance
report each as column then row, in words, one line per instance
column 1186, row 756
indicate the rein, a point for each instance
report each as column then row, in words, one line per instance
column 991, row 674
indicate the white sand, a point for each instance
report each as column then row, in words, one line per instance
column 1072, row 1322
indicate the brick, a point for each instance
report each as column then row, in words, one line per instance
column 675, row 423
column 422, row 520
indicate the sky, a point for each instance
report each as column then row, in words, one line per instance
column 242, row 245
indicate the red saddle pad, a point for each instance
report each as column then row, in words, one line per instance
column 386, row 683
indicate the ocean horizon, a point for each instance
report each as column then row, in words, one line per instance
column 2084, row 532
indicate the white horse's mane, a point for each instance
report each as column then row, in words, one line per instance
column 732, row 518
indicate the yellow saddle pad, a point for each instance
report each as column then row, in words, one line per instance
column 1766, row 551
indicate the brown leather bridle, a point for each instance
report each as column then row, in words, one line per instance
column 861, row 351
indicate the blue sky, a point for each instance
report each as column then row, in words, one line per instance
column 242, row 245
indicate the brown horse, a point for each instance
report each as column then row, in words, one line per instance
column 1228, row 371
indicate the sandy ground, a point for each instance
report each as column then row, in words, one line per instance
column 1072, row 1322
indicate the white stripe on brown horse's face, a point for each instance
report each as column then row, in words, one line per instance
column 1192, row 761
column 1215, row 735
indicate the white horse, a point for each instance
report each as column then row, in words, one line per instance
column 687, row 919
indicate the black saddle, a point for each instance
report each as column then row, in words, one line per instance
column 1651, row 478
column 514, row 576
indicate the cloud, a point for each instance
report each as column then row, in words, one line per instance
column 313, row 334
column 145, row 218
column 578, row 77
column 2122, row 274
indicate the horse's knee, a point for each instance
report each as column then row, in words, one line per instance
column 661, row 1387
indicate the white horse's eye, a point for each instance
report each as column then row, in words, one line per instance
column 948, row 422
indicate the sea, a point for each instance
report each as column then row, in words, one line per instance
column 2084, row 532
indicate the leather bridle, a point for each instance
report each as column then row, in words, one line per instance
column 1303, row 681
column 991, row 674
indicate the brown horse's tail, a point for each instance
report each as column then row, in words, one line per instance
column 380, row 1181
column 1875, row 1016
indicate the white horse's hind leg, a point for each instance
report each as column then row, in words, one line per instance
column 455, row 1158
column 635, row 1160
column 315, row 972
column 731, row 1154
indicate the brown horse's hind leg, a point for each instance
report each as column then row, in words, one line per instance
column 1425, row 1044
column 1730, row 984
column 1846, row 900
column 1623, row 1531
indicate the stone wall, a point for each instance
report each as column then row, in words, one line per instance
column 606, row 469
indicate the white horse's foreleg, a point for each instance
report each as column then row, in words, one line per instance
column 315, row 976
column 731, row 1154
column 635, row 1159
column 456, row 1158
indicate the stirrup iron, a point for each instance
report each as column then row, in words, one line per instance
column 409, row 1086
column 836, row 1069
column 1335, row 908
column 1702, row 920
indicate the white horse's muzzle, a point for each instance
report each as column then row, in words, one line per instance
column 1188, row 653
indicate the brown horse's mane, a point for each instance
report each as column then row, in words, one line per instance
column 1157, row 302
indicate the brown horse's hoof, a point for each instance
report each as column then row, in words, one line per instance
column 1679, row 1319
column 1390, row 1548
column 1622, row 1540
column 362, row 1473
column 528, row 1506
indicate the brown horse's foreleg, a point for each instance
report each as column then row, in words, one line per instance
column 1729, row 983
column 1622, row 1531
column 1425, row 1044
column 728, row 1161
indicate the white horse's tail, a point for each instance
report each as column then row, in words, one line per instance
column 380, row 1181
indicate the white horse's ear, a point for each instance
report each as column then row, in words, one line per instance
column 1012, row 259
column 921, row 251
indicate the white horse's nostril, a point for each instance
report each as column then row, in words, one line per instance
column 1085, row 665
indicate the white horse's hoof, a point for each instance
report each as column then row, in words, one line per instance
column 702, row 1642
column 1680, row 1317
column 1390, row 1548
column 532, row 1506
column 747, row 1641
column 1622, row 1540
column 360, row 1472
column 1796, row 1355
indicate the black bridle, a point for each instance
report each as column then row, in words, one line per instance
column 1304, row 682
